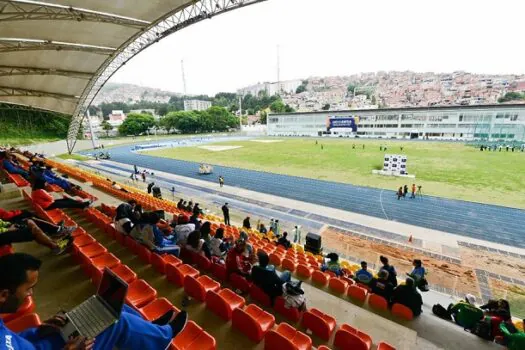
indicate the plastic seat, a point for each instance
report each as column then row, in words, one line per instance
column 6, row 250
column 157, row 308
column 337, row 285
column 131, row 244
column 275, row 259
column 203, row 263
column 120, row 237
column 90, row 251
column 285, row 337
column 140, row 293
column 258, row 295
column 345, row 340
column 239, row 282
column 144, row 253
column 357, row 293
column 402, row 312
column 223, row 302
column 219, row 271
column 385, row 346
column 198, row 287
column 362, row 335
column 320, row 278
column 27, row 307
column 81, row 241
column 100, row 262
column 193, row 337
column 289, row 264
column 123, row 271
column 253, row 321
column 377, row 302
column 304, row 270
column 319, row 323
column 293, row 314
column 24, row 322
column 176, row 274
column 159, row 261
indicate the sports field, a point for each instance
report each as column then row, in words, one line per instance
column 451, row 170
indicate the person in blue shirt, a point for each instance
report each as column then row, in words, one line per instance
column 363, row 276
column 332, row 264
column 147, row 233
column 54, row 179
column 18, row 277
column 11, row 167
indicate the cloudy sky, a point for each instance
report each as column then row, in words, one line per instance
column 334, row 37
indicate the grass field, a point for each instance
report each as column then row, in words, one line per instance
column 451, row 170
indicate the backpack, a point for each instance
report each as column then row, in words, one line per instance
column 483, row 329
column 441, row 312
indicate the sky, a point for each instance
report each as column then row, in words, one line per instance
column 334, row 37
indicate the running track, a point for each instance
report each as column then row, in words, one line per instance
column 487, row 222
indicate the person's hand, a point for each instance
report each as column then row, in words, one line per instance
column 52, row 325
column 79, row 343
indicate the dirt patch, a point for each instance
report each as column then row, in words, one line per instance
column 493, row 262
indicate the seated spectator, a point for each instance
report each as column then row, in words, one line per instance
column 284, row 241
column 217, row 245
column 20, row 217
column 126, row 217
column 332, row 264
column 246, row 223
column 190, row 206
column 54, row 179
column 392, row 273
column 183, row 229
column 10, row 165
column 47, row 202
column 15, row 216
column 262, row 229
column 499, row 311
column 147, row 233
column 196, row 210
column 205, row 232
column 293, row 296
column 381, row 285
column 249, row 248
column 194, row 219
column 236, row 261
column 267, row 279
column 514, row 339
column 418, row 274
column 118, row 188
column 363, row 276
column 19, row 274
column 197, row 245
column 407, row 295
column 180, row 205
column 465, row 313
column 30, row 231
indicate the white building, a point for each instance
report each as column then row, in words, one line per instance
column 283, row 87
column 490, row 122
column 196, row 105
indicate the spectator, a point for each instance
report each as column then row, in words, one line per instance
column 262, row 229
column 418, row 274
column 408, row 295
column 277, row 227
column 30, row 231
column 392, row 273
column 126, row 216
column 399, row 193
column 205, row 232
column 217, row 245
column 226, row 214
column 180, row 205
column 118, row 188
column 183, row 229
column 47, row 202
column 413, row 191
column 405, row 191
column 465, row 313
column 332, row 264
column 150, row 185
column 513, row 340
column 190, row 206
column 147, row 233
column 11, row 167
column 267, row 279
column 293, row 296
column 236, row 261
column 54, row 179
column 221, row 181
column 196, row 210
column 381, row 285
column 284, row 241
column 363, row 276
column 19, row 274
column 197, row 245
column 246, row 223
column 271, row 225
column 499, row 311
column 297, row 234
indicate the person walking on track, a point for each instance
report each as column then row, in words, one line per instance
column 226, row 213
column 221, row 181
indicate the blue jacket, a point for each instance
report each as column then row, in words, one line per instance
column 12, row 341
column 363, row 276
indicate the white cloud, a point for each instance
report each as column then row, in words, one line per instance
column 334, row 37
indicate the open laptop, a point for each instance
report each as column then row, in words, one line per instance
column 100, row 311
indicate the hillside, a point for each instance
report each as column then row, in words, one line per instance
column 129, row 93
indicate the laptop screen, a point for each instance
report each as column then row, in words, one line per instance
column 113, row 291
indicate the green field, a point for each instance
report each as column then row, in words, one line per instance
column 450, row 170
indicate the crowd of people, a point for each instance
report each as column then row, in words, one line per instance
column 402, row 191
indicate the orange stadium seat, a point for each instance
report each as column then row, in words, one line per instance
column 144, row 254
column 23, row 322
column 123, row 271
column 159, row 261
column 357, row 293
column 259, row 296
column 176, row 274
column 377, row 302
column 224, row 302
column 362, row 335
column 289, row 264
column 203, row 263
column 293, row 314
column 131, row 244
column 140, row 293
column 385, row 346
column 402, row 311
column 198, row 287
column 319, row 323
column 193, row 337
column 345, row 340
column 320, row 278
column 239, row 282
column 275, row 259
column 90, row 251
column 253, row 321
column 157, row 308
column 100, row 262
column 304, row 270
column 285, row 337
column 337, row 285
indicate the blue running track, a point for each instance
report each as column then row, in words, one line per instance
column 487, row 222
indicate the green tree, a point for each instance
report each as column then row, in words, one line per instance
column 277, row 106
column 136, row 124
column 351, row 87
column 326, row 107
column 107, row 127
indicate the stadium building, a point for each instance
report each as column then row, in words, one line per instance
column 490, row 122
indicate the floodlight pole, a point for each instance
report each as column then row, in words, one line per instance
column 240, row 112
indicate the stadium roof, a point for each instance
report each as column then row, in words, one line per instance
column 57, row 54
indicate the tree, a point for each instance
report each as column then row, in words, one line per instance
column 326, row 107
column 351, row 87
column 302, row 87
column 136, row 124
column 107, row 127
column 277, row 106
column 263, row 117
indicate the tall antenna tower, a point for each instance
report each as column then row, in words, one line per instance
column 183, row 78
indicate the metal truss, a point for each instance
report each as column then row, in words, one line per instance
column 20, row 10
column 15, row 45
column 10, row 91
column 174, row 21
column 10, row 71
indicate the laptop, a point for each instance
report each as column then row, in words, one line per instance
column 100, row 311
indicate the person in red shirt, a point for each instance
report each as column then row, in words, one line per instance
column 41, row 197
column 236, row 261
